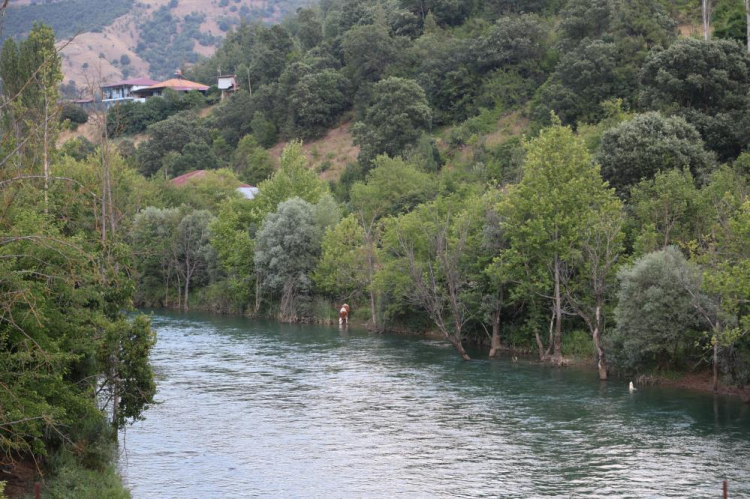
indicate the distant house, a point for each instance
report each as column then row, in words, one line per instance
column 178, row 84
column 123, row 91
column 227, row 84
column 248, row 191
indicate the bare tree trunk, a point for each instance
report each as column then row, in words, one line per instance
column 179, row 292
column 539, row 345
column 258, row 296
column 104, row 202
column 371, row 270
column 706, row 14
column 495, row 342
column 115, row 388
column 459, row 347
column 188, row 275
column 46, row 154
column 186, row 305
column 602, row 363
column 544, row 355
column 716, row 358
column 558, row 313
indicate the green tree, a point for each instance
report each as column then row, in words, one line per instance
column 310, row 31
column 368, row 50
column 342, row 270
column 396, row 118
column 286, row 250
column 520, row 40
column 593, row 72
column 431, row 249
column 666, row 211
column 293, row 179
column 391, row 188
column 317, row 102
column 264, row 131
column 250, row 162
column 193, row 251
column 706, row 82
column 638, row 149
column 172, row 134
column 546, row 214
column 655, row 315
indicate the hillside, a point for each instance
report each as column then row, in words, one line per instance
column 126, row 38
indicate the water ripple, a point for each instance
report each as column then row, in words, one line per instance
column 256, row 409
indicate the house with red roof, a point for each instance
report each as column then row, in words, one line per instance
column 122, row 91
column 177, row 84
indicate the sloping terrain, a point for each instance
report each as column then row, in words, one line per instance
column 328, row 155
column 117, row 39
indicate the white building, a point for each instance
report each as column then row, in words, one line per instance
column 227, row 84
column 122, row 91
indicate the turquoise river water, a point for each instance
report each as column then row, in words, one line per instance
column 259, row 409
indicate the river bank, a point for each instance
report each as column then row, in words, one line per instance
column 696, row 381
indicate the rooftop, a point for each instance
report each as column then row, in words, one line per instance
column 177, row 84
column 133, row 82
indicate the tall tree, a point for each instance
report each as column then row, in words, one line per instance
column 392, row 187
column 286, row 250
column 546, row 214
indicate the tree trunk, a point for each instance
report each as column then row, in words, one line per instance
column 706, row 14
column 540, row 345
column 459, row 347
column 495, row 343
column 258, row 288
column 602, row 363
column 187, row 294
column 558, row 313
column 46, row 154
column 747, row 19
column 716, row 358
column 371, row 270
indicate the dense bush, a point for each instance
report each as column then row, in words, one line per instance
column 637, row 149
column 74, row 113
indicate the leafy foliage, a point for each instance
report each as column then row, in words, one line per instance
column 398, row 113
column 706, row 82
column 639, row 148
column 655, row 315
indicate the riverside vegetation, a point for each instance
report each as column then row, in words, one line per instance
column 611, row 222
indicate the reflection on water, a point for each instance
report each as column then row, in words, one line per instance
column 259, row 409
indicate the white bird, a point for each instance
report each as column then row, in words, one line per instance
column 631, row 387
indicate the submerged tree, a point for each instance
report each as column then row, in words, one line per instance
column 431, row 246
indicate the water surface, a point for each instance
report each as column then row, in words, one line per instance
column 259, row 409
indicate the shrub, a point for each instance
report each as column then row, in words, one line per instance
column 74, row 113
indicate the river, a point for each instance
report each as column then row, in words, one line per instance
column 259, row 409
